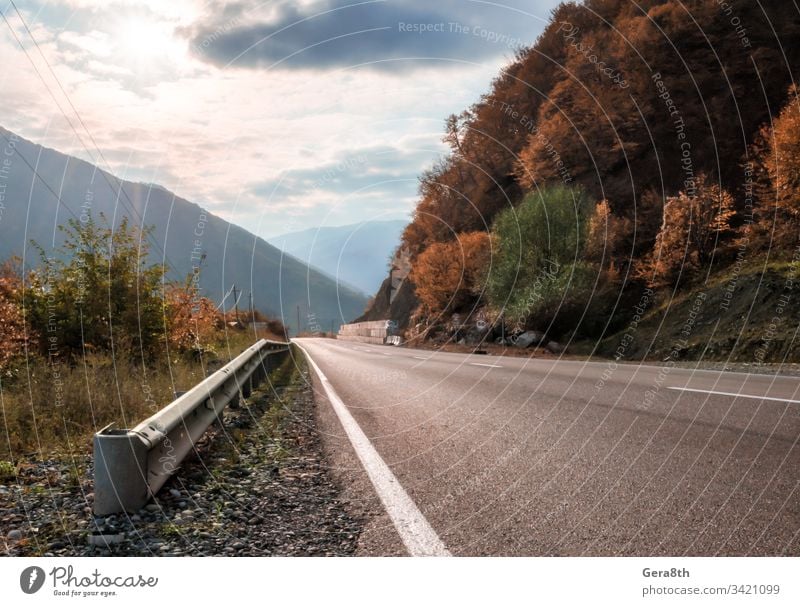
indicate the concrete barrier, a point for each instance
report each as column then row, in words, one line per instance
column 374, row 332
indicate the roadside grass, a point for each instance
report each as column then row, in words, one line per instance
column 170, row 530
column 53, row 410
column 7, row 471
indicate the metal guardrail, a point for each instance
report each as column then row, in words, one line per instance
column 131, row 465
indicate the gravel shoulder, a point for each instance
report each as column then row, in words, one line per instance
column 259, row 485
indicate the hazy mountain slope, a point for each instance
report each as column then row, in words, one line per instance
column 29, row 210
column 354, row 254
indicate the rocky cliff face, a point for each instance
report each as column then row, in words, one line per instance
column 395, row 299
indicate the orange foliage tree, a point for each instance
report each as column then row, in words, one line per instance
column 778, row 162
column 600, row 101
column 191, row 320
column 15, row 337
column 448, row 275
column 606, row 235
column 693, row 229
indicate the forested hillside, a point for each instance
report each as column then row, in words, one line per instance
column 649, row 147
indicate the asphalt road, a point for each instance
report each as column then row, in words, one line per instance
column 516, row 456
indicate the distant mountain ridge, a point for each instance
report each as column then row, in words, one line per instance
column 356, row 254
column 32, row 207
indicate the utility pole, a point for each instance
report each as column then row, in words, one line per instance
column 252, row 316
column 235, row 304
column 298, row 319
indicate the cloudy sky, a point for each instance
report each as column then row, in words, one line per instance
column 279, row 115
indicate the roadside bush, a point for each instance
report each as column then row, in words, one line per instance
column 103, row 323
column 538, row 269
column 696, row 226
column 607, row 236
column 450, row 275
column 98, row 293
column 192, row 321
column 14, row 335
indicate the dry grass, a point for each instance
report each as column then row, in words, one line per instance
column 50, row 409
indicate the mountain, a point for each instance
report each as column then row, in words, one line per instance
column 355, row 254
column 32, row 205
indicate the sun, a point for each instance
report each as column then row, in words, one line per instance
column 142, row 43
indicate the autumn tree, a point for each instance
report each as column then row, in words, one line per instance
column 191, row 320
column 606, row 114
column 475, row 250
column 695, row 225
column 450, row 275
column 778, row 166
column 15, row 335
column 607, row 235
column 587, row 105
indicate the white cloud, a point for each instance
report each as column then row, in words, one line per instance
column 93, row 43
column 216, row 136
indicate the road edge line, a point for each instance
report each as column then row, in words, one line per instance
column 415, row 531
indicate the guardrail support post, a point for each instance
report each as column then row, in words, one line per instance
column 246, row 388
column 120, row 472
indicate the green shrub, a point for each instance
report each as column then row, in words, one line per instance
column 98, row 287
column 8, row 471
column 539, row 275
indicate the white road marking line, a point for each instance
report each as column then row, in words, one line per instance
column 735, row 395
column 416, row 532
column 486, row 365
column 419, row 358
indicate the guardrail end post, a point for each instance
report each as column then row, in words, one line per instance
column 120, row 472
column 127, row 462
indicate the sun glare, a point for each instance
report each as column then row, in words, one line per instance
column 143, row 43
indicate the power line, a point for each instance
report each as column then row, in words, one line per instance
column 74, row 109
column 58, row 198
column 221, row 303
column 60, row 86
column 25, row 160
column 236, row 302
column 130, row 206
